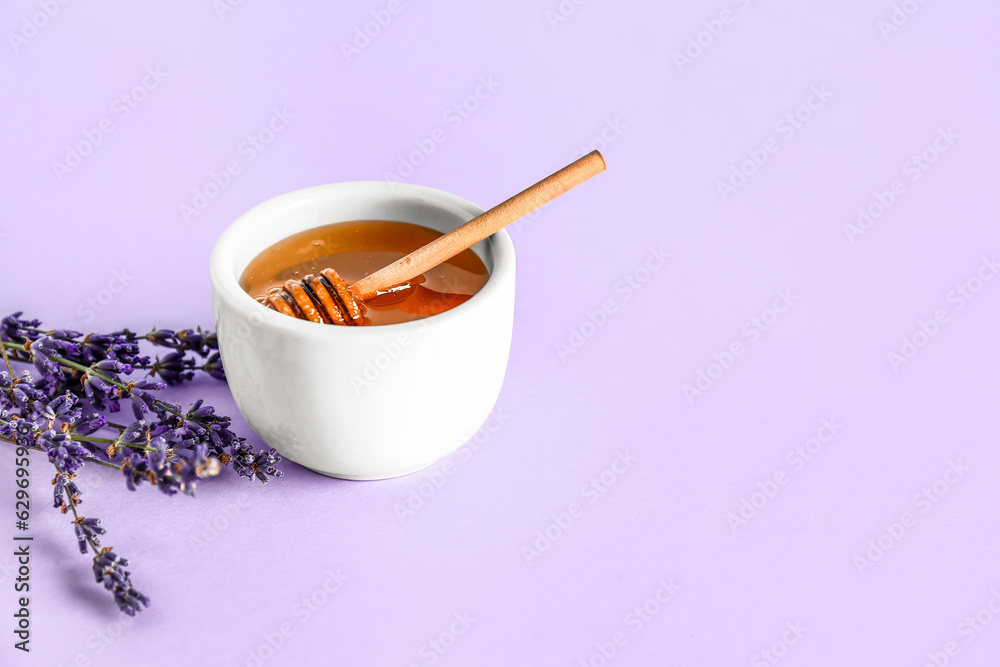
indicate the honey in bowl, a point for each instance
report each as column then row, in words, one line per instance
column 359, row 248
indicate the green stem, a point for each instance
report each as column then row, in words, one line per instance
column 87, row 438
column 72, row 505
column 122, row 386
column 69, row 363
column 105, row 441
column 6, row 360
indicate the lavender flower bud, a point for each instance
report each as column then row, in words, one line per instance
column 163, row 338
column 66, row 334
column 134, row 432
column 112, row 366
column 59, row 500
column 87, row 530
column 193, row 340
column 13, row 329
column 67, row 454
column 91, row 424
column 174, row 368
column 65, row 407
column 213, row 366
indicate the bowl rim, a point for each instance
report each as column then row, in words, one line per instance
column 226, row 285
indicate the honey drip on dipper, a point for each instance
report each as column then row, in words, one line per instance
column 323, row 298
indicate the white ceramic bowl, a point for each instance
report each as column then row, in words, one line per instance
column 362, row 402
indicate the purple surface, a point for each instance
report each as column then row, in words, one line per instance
column 228, row 572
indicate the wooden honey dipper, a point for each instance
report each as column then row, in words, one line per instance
column 327, row 298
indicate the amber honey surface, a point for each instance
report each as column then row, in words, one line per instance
column 356, row 249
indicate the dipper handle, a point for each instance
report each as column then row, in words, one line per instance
column 445, row 247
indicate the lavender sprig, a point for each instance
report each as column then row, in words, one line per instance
column 191, row 350
column 61, row 408
column 109, row 567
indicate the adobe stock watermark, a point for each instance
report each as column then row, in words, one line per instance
column 246, row 327
column 591, row 491
column 454, row 117
column 795, row 460
column 927, row 329
column 302, row 611
column 90, row 480
column 366, row 33
column 121, row 108
column 624, row 289
column 900, row 15
column 88, row 309
column 752, row 330
column 248, row 150
column 562, row 12
column 779, row 648
column 100, row 641
column 435, row 647
column 636, row 620
column 33, row 24
column 433, row 480
column 610, row 133
column 712, row 29
column 966, row 632
column 912, row 170
column 379, row 363
column 219, row 524
column 786, row 127
column 223, row 8
column 923, row 502
column 526, row 220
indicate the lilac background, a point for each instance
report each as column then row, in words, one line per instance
column 227, row 570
